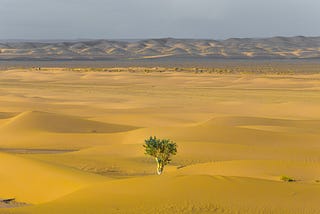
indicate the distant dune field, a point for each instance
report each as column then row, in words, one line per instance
column 298, row 47
column 71, row 140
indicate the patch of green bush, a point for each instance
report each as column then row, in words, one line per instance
column 287, row 178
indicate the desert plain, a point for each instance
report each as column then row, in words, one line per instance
column 71, row 140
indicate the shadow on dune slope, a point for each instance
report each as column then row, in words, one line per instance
column 50, row 122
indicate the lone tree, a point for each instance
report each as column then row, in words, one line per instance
column 161, row 150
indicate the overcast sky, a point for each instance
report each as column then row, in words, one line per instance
column 115, row 19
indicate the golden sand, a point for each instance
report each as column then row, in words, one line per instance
column 237, row 134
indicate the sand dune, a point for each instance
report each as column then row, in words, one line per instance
column 187, row 194
column 49, row 122
column 5, row 115
column 251, row 121
column 237, row 134
column 37, row 182
column 113, row 160
column 262, row 169
column 224, row 134
column 267, row 124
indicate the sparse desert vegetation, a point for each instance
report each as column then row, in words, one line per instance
column 71, row 138
column 286, row 178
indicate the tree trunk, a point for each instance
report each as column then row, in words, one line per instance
column 159, row 166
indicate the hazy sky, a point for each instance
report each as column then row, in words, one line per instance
column 216, row 19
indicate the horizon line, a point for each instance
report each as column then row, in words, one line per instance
column 141, row 39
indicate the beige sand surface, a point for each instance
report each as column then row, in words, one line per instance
column 237, row 135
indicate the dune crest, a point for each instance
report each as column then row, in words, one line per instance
column 51, row 122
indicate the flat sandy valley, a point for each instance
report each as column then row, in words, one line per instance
column 71, row 141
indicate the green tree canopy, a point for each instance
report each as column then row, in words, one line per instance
column 161, row 150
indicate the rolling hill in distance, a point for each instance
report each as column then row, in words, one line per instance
column 299, row 47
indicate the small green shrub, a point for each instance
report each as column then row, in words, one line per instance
column 287, row 178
